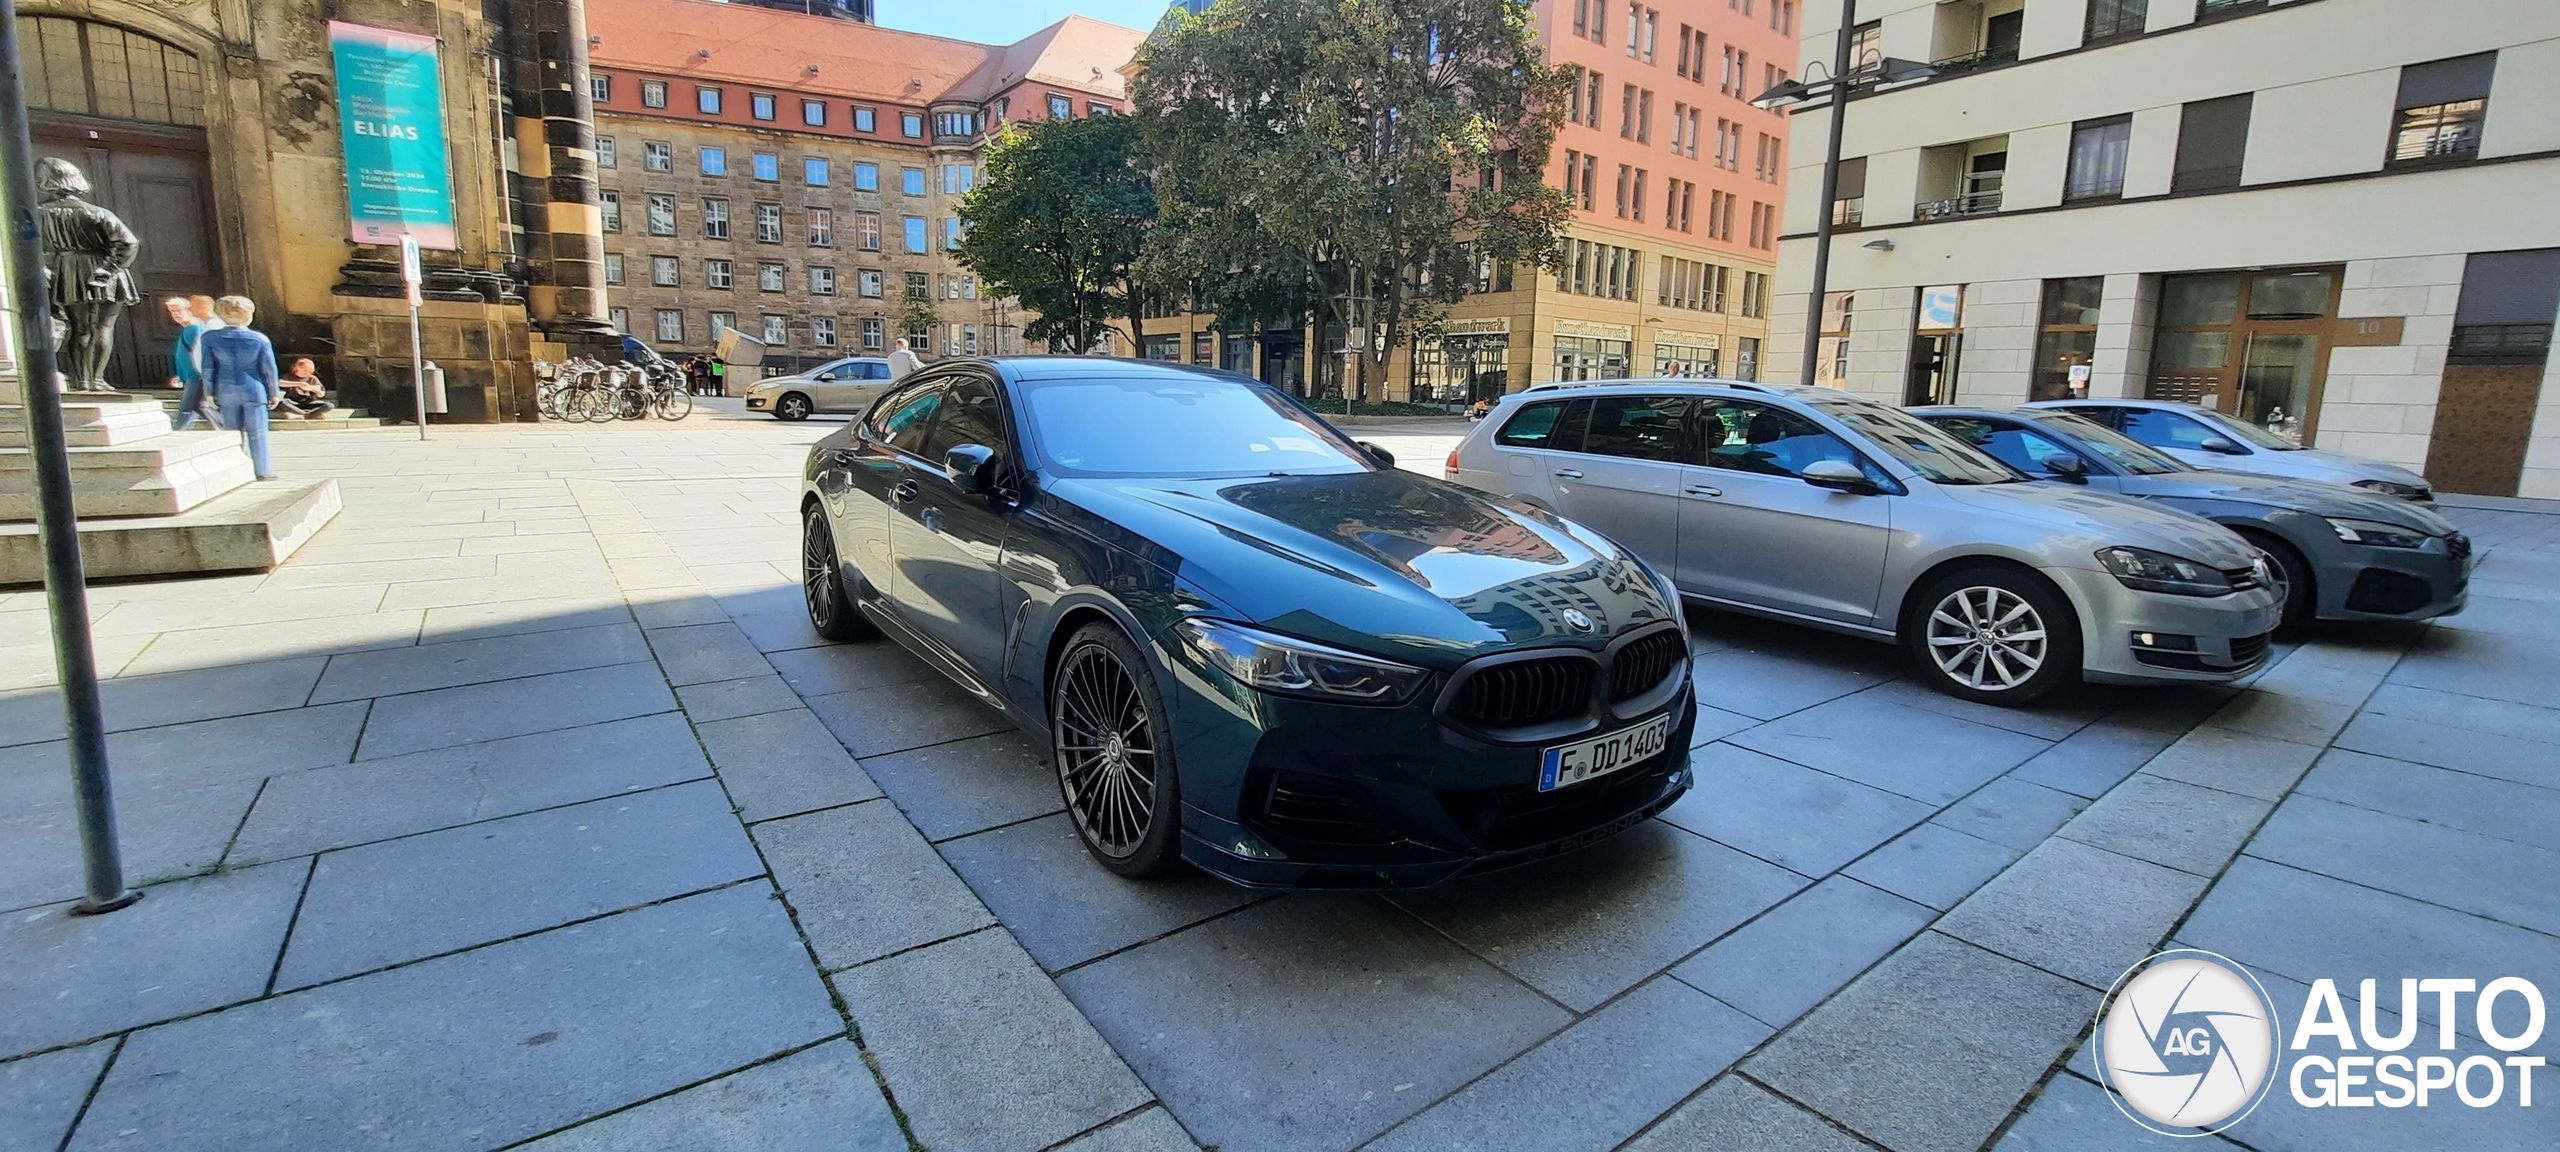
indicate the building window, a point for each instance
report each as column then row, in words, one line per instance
column 921, row 339
column 2066, row 334
column 776, row 333
column 958, row 179
column 716, row 274
column 951, row 233
column 822, row 281
column 813, row 113
column 813, row 171
column 1849, row 200
column 1635, row 202
column 768, row 223
column 1626, row 176
column 2440, row 110
column 2213, row 138
column 865, row 120
column 866, row 177
column 662, row 271
column 604, row 152
column 1061, row 108
column 918, row 287
column 620, row 318
column 613, row 267
column 706, row 101
column 911, row 181
column 769, row 277
column 822, row 332
column 2250, row 344
column 822, row 228
column 955, row 123
column 722, row 322
column 609, row 207
column 599, row 88
column 1591, row 99
column 670, row 326
column 2109, row 19
column 868, row 282
column 715, row 219
column 2098, row 150
column 714, row 161
column 658, row 156
column 768, row 167
column 1585, row 358
column 1746, row 360
column 662, row 215
column 911, row 125
column 760, row 105
column 653, row 93
column 915, row 235
column 1755, row 297
column 1092, row 109
column 1769, row 161
column 872, row 331
column 866, row 231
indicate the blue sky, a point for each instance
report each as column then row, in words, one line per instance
column 1005, row 21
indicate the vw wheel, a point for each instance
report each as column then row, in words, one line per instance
column 1994, row 636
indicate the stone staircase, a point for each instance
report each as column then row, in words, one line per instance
column 338, row 419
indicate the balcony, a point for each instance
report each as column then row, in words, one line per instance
column 1980, row 202
column 1961, row 179
column 1977, row 60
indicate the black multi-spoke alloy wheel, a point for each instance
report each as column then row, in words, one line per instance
column 831, row 611
column 1993, row 636
column 792, row 406
column 2293, row 581
column 1115, row 761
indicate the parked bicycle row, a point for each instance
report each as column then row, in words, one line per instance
column 583, row 391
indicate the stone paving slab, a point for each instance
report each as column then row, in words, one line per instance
column 821, row 1099
column 831, row 668
column 2012, row 812
column 2093, row 759
column 2170, row 823
column 1356, row 1017
column 1797, row 954
column 320, row 635
column 970, row 785
column 2443, row 866
column 41, row 1095
column 981, row 1050
column 1917, row 753
column 188, row 946
column 2075, row 911
column 393, row 671
column 2241, row 762
column 1933, row 865
column 164, row 830
column 478, row 712
column 701, row 653
column 2075, row 1115
column 1584, row 928
column 1592, row 1085
column 1735, row 1113
column 2484, row 804
column 560, row 1026
column 897, row 717
column 310, row 811
column 730, row 699
column 863, row 884
column 2054, row 718
column 130, row 702
column 1790, row 815
column 1066, row 909
column 1152, row 1130
column 399, row 900
column 1765, row 685
column 783, row 763
column 2491, row 665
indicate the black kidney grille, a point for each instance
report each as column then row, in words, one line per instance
column 1641, row 665
column 1526, row 692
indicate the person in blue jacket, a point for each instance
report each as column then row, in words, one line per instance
column 240, row 372
column 182, row 357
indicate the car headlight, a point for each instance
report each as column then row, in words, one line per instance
column 1287, row 666
column 2376, row 533
column 2391, row 488
column 2144, row 570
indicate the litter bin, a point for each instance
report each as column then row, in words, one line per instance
column 435, row 389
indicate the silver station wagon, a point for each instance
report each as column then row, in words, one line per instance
column 1817, row 506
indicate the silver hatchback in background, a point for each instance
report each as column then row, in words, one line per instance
column 1817, row 506
column 846, row 385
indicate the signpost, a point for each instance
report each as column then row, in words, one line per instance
column 413, row 274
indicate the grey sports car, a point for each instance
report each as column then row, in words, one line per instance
column 2340, row 553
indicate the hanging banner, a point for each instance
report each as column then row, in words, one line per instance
column 391, row 125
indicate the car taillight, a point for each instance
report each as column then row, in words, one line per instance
column 1452, row 466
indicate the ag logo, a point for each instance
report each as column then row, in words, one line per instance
column 2188, row 1042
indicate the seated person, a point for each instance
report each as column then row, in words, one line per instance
column 304, row 396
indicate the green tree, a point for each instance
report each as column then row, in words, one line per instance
column 1056, row 221
column 1352, row 160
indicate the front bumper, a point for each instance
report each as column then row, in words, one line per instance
column 1285, row 793
column 757, row 403
column 2362, row 582
column 2135, row 637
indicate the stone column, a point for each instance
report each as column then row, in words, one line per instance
column 556, row 161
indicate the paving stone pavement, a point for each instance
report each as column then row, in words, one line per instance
column 523, row 809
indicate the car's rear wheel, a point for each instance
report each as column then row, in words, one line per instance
column 1114, row 754
column 2293, row 581
column 831, row 610
column 1994, row 636
column 792, row 406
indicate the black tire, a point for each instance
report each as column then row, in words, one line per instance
column 822, row 586
column 792, row 406
column 1124, row 800
column 2301, row 588
column 1993, row 635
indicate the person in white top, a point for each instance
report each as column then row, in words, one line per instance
column 903, row 361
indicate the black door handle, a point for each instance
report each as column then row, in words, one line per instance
column 905, row 491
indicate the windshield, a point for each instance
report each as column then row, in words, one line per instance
column 1190, row 426
column 2255, row 436
column 1921, row 447
column 2114, row 447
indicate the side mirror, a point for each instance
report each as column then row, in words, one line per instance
column 2068, row 468
column 1384, row 458
column 1839, row 476
column 2218, row 444
column 972, row 467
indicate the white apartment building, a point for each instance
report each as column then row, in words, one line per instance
column 2340, row 218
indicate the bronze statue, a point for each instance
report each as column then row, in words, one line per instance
column 88, row 254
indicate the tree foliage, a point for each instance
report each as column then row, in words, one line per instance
column 1056, row 221
column 1347, row 159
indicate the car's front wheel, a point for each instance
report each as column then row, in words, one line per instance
column 831, row 611
column 792, row 406
column 1994, row 636
column 1108, row 732
column 2293, row 581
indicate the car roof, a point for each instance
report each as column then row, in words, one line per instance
column 2115, row 402
column 1718, row 381
column 1695, row 386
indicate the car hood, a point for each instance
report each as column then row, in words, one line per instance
column 1386, row 562
column 2333, row 467
column 2316, row 497
column 2101, row 519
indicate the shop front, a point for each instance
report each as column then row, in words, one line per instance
column 2247, row 343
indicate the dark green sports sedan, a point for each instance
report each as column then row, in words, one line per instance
column 1250, row 641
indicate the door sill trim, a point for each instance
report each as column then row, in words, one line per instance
column 1862, row 631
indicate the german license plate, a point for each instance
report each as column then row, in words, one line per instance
column 1568, row 764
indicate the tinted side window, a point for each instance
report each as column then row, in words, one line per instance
column 972, row 413
column 902, row 421
column 2166, row 429
column 1636, row 427
column 2014, row 446
column 1533, row 426
column 874, row 371
column 1769, row 441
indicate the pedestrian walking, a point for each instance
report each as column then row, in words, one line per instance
column 719, row 376
column 188, row 375
column 240, row 372
column 305, row 397
column 697, row 374
column 903, row 361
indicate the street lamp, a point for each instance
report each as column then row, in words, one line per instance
column 1842, row 82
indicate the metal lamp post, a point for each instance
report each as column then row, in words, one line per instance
column 1843, row 82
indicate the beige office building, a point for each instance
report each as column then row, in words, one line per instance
column 2335, row 217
